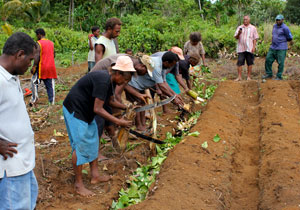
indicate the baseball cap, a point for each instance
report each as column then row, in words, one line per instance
column 279, row 17
column 147, row 61
column 124, row 63
column 177, row 51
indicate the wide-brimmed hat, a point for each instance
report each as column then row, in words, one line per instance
column 147, row 61
column 178, row 51
column 279, row 17
column 124, row 63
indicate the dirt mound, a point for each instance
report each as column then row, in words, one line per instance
column 255, row 165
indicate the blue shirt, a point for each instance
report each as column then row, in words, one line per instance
column 280, row 36
column 144, row 82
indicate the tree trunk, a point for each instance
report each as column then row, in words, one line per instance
column 70, row 8
column 71, row 14
column 199, row 2
column 72, row 21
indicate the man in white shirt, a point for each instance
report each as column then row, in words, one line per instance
column 18, row 185
column 105, row 45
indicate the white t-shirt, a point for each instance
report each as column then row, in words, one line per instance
column 109, row 44
column 91, row 55
column 15, row 127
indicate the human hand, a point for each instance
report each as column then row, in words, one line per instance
column 253, row 50
column 7, row 148
column 158, row 91
column 33, row 69
column 178, row 101
column 91, row 35
column 144, row 97
column 124, row 123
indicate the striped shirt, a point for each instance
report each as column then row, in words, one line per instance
column 246, row 38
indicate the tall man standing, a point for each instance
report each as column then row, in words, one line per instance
column 18, row 185
column 105, row 45
column 281, row 34
column 247, row 36
column 43, row 67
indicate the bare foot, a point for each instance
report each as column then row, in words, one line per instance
column 141, row 128
column 248, row 78
column 102, row 157
column 238, row 79
column 81, row 190
column 98, row 179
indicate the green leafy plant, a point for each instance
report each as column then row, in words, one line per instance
column 216, row 138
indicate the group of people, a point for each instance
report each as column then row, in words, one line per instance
column 88, row 107
column 247, row 37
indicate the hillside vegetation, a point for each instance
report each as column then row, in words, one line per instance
column 148, row 26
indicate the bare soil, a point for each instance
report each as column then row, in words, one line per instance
column 255, row 165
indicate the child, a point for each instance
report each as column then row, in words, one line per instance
column 92, row 39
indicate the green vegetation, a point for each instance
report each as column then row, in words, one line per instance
column 148, row 25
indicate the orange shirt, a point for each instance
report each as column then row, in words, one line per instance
column 46, row 68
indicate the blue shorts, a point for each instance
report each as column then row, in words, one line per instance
column 18, row 192
column 83, row 137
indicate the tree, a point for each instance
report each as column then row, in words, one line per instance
column 17, row 7
column 291, row 11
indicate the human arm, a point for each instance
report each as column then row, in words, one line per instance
column 181, row 82
column 135, row 93
column 288, row 34
column 185, row 50
column 91, row 42
column 118, row 92
column 99, row 110
column 203, row 59
column 254, row 45
column 99, row 51
column 36, row 59
column 116, row 104
column 238, row 32
column 166, row 90
column 202, row 53
column 7, row 148
column 188, row 83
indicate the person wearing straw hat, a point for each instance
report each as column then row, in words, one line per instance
column 156, row 77
column 281, row 34
column 132, row 90
column 89, row 97
column 104, row 65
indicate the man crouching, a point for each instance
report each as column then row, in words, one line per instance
column 93, row 95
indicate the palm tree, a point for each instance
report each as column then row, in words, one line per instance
column 17, row 7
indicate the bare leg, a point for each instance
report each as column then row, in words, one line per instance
column 239, row 69
column 79, row 186
column 166, row 110
column 249, row 72
column 140, row 120
column 111, row 132
column 96, row 178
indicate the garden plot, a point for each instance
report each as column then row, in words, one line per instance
column 254, row 165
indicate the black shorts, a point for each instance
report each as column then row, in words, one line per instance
column 249, row 57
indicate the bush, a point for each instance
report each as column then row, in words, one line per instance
column 66, row 42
